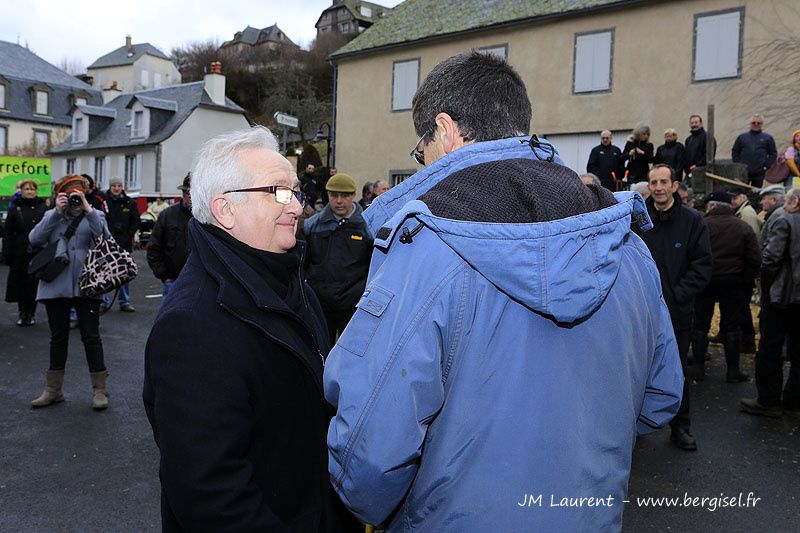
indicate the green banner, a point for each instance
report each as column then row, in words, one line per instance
column 14, row 169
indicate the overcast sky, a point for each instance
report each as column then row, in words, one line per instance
column 84, row 31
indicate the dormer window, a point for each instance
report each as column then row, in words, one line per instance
column 41, row 99
column 3, row 93
column 137, row 128
column 366, row 11
column 79, row 129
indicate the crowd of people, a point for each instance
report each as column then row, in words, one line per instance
column 317, row 363
column 756, row 149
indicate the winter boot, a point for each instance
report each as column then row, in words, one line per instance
column 699, row 349
column 732, row 346
column 54, row 380
column 100, row 396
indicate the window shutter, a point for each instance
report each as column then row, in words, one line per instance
column 717, row 46
column 593, row 62
column 406, row 76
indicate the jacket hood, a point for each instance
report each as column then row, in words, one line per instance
column 562, row 268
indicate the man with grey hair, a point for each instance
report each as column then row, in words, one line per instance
column 605, row 162
column 590, row 179
column 756, row 149
column 780, row 314
column 380, row 187
column 233, row 364
column 643, row 188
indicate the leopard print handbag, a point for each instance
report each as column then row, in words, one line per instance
column 108, row 266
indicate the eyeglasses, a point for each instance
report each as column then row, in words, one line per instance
column 417, row 153
column 283, row 194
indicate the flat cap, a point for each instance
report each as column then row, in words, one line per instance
column 341, row 183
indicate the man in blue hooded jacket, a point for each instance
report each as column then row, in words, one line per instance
column 478, row 386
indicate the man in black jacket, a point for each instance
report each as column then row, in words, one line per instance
column 339, row 252
column 695, row 144
column 168, row 247
column 681, row 249
column 756, row 149
column 123, row 222
column 736, row 256
column 233, row 365
column 605, row 162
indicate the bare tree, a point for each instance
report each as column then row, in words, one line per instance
column 72, row 65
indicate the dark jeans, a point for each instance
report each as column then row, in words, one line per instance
column 745, row 316
column 89, row 322
column 337, row 321
column 681, row 420
column 729, row 294
column 756, row 180
column 778, row 324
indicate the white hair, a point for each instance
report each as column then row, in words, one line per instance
column 593, row 177
column 217, row 168
column 641, row 188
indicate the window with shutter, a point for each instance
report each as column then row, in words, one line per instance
column 404, row 84
column 717, row 45
column 593, row 55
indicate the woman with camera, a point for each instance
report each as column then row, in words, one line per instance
column 26, row 212
column 63, row 292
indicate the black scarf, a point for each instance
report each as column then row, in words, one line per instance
column 278, row 270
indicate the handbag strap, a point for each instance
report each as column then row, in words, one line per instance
column 73, row 226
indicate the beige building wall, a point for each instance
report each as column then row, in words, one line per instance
column 21, row 133
column 178, row 152
column 129, row 77
column 651, row 82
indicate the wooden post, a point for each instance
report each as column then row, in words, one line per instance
column 710, row 138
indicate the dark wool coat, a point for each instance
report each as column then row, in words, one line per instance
column 672, row 154
column 639, row 165
column 734, row 245
column 233, row 392
column 168, row 247
column 22, row 217
column 122, row 218
column 603, row 160
column 681, row 248
column 696, row 150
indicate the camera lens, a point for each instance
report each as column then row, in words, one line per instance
column 74, row 200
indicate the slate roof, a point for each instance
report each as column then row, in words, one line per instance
column 420, row 20
column 23, row 69
column 155, row 103
column 121, row 56
column 251, row 36
column 351, row 6
column 97, row 111
column 187, row 97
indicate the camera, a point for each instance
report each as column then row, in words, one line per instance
column 75, row 200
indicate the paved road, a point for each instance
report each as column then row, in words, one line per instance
column 67, row 468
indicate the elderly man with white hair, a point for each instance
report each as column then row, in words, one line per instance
column 233, row 365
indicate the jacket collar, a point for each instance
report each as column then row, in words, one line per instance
column 384, row 207
column 247, row 296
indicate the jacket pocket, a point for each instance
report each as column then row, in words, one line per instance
column 361, row 329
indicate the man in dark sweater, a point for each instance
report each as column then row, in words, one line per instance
column 605, row 162
column 680, row 247
column 734, row 246
column 756, row 149
column 168, row 247
column 695, row 144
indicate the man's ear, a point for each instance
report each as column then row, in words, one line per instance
column 674, row 187
column 448, row 132
column 222, row 210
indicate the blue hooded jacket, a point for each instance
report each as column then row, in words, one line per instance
column 492, row 370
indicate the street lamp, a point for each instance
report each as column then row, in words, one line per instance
column 321, row 136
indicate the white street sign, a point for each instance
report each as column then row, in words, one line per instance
column 286, row 120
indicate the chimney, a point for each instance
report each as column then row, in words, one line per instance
column 128, row 44
column 215, row 83
column 111, row 92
